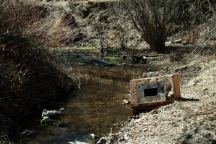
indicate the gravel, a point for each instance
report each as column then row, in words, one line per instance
column 192, row 120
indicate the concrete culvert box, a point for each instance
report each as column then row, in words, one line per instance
column 150, row 93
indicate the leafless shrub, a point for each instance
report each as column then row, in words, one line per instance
column 18, row 15
column 100, row 29
column 156, row 19
column 205, row 15
column 151, row 18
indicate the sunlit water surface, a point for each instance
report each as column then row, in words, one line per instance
column 96, row 108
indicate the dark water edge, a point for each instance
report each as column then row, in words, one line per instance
column 95, row 108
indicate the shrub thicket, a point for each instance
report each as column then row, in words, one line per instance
column 154, row 18
column 151, row 18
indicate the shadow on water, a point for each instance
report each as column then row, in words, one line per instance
column 77, row 138
column 95, row 109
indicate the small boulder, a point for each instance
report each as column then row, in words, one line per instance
column 177, row 41
column 125, row 102
column 27, row 132
column 102, row 140
column 45, row 119
column 49, row 113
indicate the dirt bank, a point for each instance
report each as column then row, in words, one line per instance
column 191, row 120
column 30, row 77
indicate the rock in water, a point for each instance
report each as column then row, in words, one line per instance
column 102, row 141
column 92, row 136
column 77, row 142
column 27, row 132
column 125, row 102
column 49, row 113
column 46, row 114
column 45, row 119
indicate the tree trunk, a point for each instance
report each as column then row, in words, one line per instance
column 157, row 46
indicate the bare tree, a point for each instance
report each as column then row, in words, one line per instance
column 100, row 29
column 151, row 18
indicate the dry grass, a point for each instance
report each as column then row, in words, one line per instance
column 52, row 21
column 29, row 77
column 191, row 121
column 151, row 18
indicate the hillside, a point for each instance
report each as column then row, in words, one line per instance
column 191, row 120
column 80, row 56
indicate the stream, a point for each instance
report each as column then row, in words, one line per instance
column 95, row 108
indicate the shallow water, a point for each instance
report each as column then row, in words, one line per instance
column 95, row 108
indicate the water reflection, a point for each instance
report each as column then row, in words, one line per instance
column 95, row 108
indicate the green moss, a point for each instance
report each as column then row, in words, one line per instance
column 87, row 49
column 113, row 60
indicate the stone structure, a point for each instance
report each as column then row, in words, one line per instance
column 150, row 93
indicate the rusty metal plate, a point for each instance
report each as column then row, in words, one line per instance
column 151, row 92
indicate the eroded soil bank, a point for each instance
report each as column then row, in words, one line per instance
column 191, row 120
